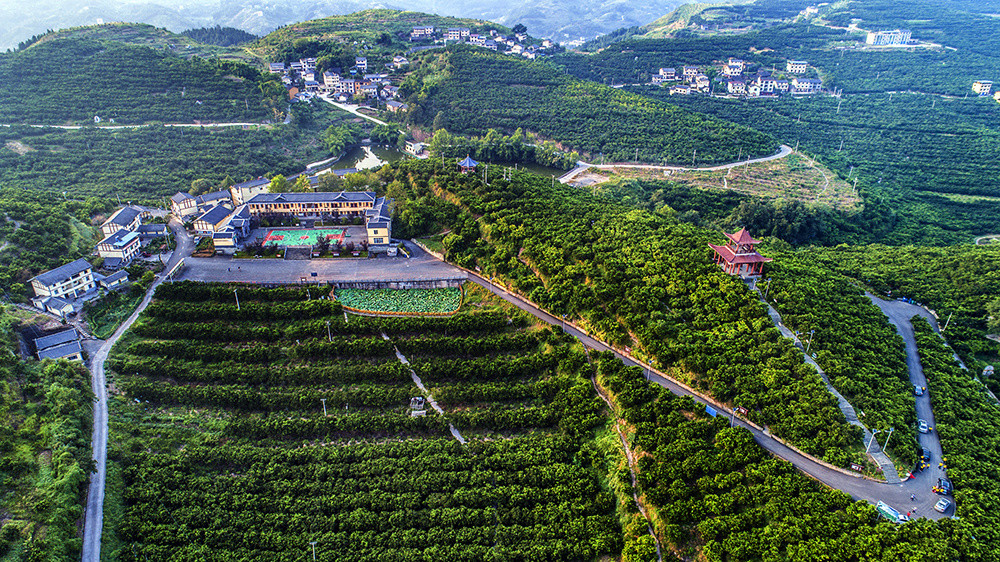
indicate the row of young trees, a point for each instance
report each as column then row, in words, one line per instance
column 287, row 446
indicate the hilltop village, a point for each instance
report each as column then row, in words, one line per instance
column 378, row 79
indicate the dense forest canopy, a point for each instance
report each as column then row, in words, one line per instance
column 45, row 408
column 222, row 36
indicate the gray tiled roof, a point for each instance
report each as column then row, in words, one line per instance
column 120, row 239
column 57, row 338
column 62, row 273
column 152, row 229
column 254, row 183
column 125, row 216
column 114, row 277
column 214, row 196
column 60, row 351
column 216, row 214
column 320, row 197
column 181, row 196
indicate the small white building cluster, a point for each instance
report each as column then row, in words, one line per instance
column 125, row 234
column 889, row 38
column 515, row 44
column 739, row 82
column 303, row 81
column 982, row 87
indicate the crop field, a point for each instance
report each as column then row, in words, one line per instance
column 249, row 434
column 402, row 300
column 303, row 237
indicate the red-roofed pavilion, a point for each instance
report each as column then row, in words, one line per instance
column 739, row 257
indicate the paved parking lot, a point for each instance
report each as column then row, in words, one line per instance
column 222, row 268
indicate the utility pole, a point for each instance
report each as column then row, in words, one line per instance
column 323, row 400
column 838, row 106
column 947, row 321
column 694, row 155
column 313, row 543
column 237, row 299
column 888, row 438
column 768, row 288
column 841, row 145
column 308, row 295
column 328, row 336
column 637, row 154
column 811, row 332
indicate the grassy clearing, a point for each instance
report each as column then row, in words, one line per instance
column 434, row 243
column 105, row 316
column 795, row 177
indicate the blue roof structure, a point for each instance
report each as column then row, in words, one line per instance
column 60, row 351
column 468, row 163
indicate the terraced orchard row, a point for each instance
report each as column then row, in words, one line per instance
column 248, row 434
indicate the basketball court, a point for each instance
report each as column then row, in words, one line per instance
column 303, row 237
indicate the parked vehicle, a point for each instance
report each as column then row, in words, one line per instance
column 942, row 505
column 943, row 487
column 925, row 454
column 922, row 426
column 918, row 390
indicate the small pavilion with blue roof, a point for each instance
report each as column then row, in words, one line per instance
column 467, row 165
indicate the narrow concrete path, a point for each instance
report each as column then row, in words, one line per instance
column 629, row 458
column 883, row 461
column 420, row 385
column 351, row 109
column 94, row 514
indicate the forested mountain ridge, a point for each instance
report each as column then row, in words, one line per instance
column 63, row 81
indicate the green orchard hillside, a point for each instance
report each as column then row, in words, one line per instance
column 631, row 278
column 475, row 90
column 925, row 158
column 70, row 81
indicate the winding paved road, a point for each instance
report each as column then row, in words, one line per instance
column 581, row 166
column 94, row 515
column 896, row 495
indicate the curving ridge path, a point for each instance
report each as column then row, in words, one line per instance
column 582, row 166
column 94, row 514
column 895, row 494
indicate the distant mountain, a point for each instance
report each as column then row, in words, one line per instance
column 561, row 20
